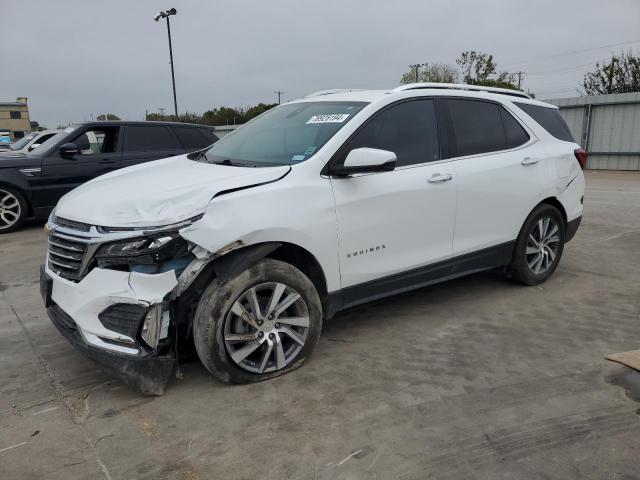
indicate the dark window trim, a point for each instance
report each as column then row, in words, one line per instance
column 335, row 158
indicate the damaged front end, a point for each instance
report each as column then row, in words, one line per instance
column 113, row 294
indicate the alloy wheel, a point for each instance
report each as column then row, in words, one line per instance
column 543, row 244
column 266, row 328
column 10, row 209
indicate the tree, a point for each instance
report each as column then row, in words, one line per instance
column 436, row 72
column 620, row 75
column 223, row 116
column 108, row 116
column 256, row 110
column 478, row 69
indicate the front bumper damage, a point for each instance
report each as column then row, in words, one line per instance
column 80, row 310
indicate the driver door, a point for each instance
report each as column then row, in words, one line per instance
column 99, row 153
column 396, row 227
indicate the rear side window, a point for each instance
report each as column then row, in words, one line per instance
column 408, row 129
column 549, row 119
column 477, row 127
column 516, row 135
column 149, row 138
column 192, row 138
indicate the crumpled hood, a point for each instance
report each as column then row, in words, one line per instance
column 157, row 193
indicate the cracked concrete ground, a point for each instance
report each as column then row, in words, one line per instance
column 475, row 379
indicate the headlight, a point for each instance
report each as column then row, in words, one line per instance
column 138, row 246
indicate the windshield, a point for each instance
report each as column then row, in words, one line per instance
column 285, row 135
column 22, row 142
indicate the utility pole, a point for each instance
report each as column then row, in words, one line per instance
column 279, row 93
column 613, row 61
column 519, row 80
column 167, row 14
column 416, row 68
column 161, row 112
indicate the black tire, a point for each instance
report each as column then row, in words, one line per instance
column 520, row 267
column 8, row 222
column 214, row 309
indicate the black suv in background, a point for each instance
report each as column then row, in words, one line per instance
column 31, row 185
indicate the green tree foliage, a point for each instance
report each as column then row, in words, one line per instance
column 217, row 116
column 480, row 69
column 620, row 75
column 256, row 110
column 436, row 72
column 108, row 116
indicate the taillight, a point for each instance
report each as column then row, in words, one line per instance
column 581, row 156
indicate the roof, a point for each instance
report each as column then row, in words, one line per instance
column 142, row 122
column 13, row 104
column 474, row 91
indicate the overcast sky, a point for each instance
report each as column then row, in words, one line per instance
column 74, row 58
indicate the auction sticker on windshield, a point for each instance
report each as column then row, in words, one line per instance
column 329, row 118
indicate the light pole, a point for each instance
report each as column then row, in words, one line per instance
column 167, row 14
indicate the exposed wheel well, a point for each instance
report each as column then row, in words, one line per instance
column 556, row 203
column 304, row 261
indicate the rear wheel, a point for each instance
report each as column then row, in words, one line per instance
column 263, row 323
column 13, row 210
column 539, row 246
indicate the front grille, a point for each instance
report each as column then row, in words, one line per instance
column 73, row 225
column 67, row 254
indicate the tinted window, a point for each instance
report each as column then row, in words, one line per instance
column 15, row 115
column 516, row 135
column 149, row 138
column 408, row 129
column 477, row 126
column 549, row 119
column 192, row 138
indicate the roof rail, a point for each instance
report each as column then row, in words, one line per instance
column 333, row 90
column 460, row 86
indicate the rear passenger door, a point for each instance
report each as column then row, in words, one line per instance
column 501, row 174
column 143, row 143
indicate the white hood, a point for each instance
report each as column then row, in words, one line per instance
column 157, row 193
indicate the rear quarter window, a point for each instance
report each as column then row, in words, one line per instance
column 549, row 119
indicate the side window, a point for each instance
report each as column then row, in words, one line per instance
column 192, row 138
column 408, row 129
column 549, row 119
column 516, row 135
column 97, row 140
column 477, row 126
column 144, row 138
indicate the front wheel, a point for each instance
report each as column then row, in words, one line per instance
column 13, row 210
column 263, row 323
column 539, row 246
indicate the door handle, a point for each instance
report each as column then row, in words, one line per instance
column 439, row 178
column 529, row 161
column 107, row 161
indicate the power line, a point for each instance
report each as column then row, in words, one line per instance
column 571, row 53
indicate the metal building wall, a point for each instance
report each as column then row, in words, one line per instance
column 607, row 126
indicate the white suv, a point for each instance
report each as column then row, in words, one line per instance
column 326, row 202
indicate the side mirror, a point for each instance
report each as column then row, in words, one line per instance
column 34, row 146
column 69, row 149
column 365, row 160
